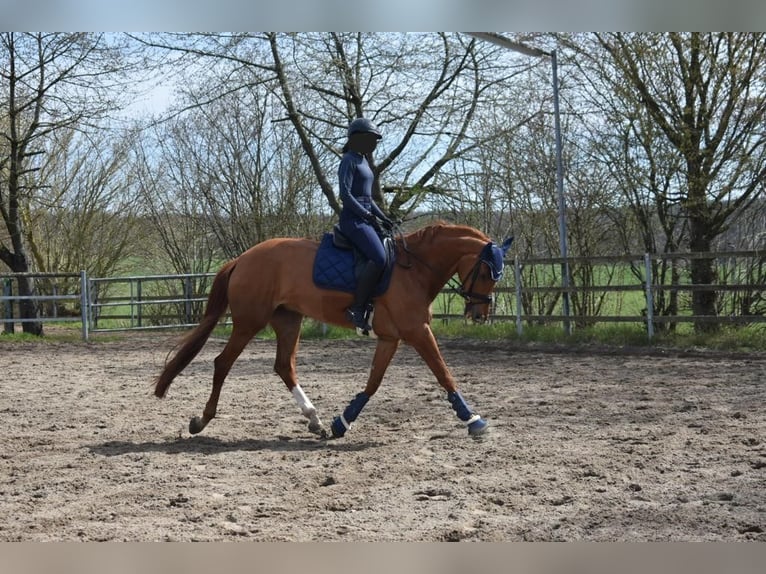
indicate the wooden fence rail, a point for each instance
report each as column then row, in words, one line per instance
column 622, row 289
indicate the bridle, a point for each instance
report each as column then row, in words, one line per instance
column 491, row 256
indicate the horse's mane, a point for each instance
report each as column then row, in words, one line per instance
column 433, row 230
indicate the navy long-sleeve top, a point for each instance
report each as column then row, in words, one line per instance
column 356, row 178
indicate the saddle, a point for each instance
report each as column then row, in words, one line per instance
column 338, row 263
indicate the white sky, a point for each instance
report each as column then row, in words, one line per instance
column 155, row 102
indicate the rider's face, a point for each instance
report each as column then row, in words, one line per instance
column 364, row 142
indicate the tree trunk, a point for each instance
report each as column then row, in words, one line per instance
column 701, row 234
column 28, row 309
column 675, row 279
column 703, row 272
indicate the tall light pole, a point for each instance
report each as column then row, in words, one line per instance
column 562, row 206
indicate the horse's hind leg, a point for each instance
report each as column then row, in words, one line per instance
column 239, row 339
column 287, row 326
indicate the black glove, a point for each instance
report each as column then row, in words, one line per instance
column 374, row 223
column 388, row 224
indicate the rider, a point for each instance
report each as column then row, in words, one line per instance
column 359, row 216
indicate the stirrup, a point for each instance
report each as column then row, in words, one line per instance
column 357, row 318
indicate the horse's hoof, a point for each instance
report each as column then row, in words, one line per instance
column 338, row 428
column 478, row 427
column 196, row 424
column 317, row 428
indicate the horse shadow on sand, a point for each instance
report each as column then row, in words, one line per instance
column 213, row 445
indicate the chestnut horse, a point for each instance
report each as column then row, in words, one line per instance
column 271, row 284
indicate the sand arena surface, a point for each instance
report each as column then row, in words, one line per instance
column 583, row 446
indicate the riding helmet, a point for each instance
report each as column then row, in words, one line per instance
column 363, row 125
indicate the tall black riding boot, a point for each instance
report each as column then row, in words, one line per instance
column 365, row 285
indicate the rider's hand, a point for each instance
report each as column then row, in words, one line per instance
column 375, row 224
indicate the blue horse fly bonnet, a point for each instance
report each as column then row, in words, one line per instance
column 493, row 255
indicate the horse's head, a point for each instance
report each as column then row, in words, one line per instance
column 478, row 280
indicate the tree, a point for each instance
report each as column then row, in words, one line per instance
column 423, row 90
column 82, row 214
column 645, row 172
column 50, row 82
column 705, row 93
column 222, row 177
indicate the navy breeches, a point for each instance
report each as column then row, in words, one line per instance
column 365, row 239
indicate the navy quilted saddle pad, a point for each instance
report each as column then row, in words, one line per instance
column 335, row 268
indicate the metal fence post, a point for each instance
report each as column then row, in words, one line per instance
column 84, row 304
column 93, row 304
column 8, row 326
column 140, row 295
column 649, row 296
column 187, row 301
column 54, row 302
column 519, row 306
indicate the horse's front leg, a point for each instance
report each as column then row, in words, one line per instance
column 384, row 352
column 424, row 342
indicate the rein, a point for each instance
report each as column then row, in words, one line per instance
column 467, row 294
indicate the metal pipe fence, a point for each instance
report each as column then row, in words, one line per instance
column 653, row 290
column 52, row 312
column 147, row 302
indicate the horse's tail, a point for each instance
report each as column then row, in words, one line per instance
column 191, row 344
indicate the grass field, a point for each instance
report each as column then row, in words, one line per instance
column 123, row 313
column 750, row 338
